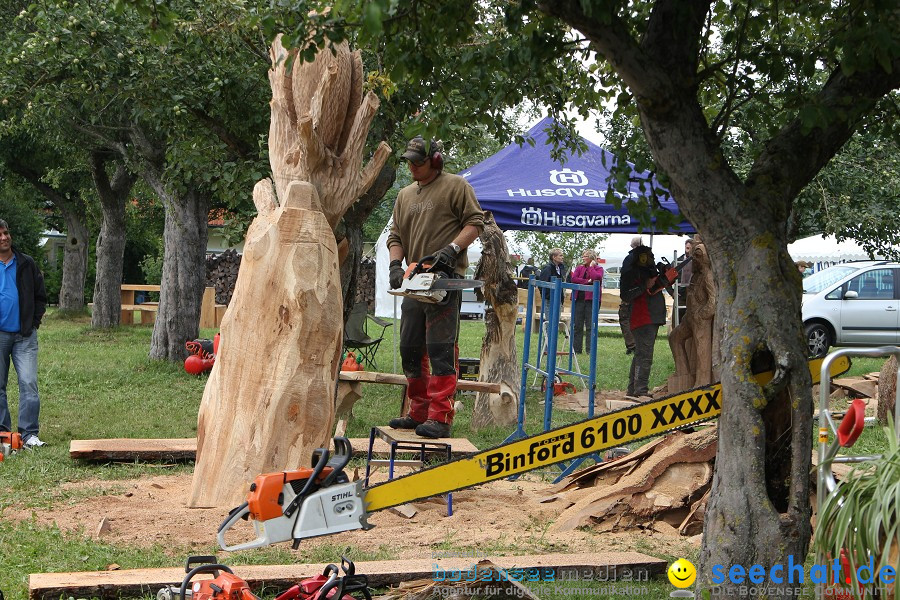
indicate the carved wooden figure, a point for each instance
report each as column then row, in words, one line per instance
column 498, row 349
column 692, row 341
column 270, row 400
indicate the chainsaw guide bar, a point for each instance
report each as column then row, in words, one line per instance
column 345, row 506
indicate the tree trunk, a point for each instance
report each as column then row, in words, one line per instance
column 183, row 275
column 760, row 490
column 270, row 400
column 111, row 241
column 75, row 256
column 351, row 228
column 499, row 363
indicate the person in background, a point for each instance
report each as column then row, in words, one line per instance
column 648, row 312
column 23, row 301
column 526, row 272
column 555, row 268
column 436, row 215
column 684, row 279
column 584, row 274
column 624, row 305
column 804, row 268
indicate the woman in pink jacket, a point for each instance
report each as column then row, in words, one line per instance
column 584, row 274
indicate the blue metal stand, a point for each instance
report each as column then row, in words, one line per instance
column 554, row 289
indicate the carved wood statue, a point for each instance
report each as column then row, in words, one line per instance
column 692, row 341
column 498, row 349
column 269, row 401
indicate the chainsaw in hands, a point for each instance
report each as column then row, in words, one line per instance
column 429, row 280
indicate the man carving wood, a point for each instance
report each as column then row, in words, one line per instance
column 436, row 215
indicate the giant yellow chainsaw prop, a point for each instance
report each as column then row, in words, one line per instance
column 321, row 500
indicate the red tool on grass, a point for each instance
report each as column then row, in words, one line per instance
column 9, row 443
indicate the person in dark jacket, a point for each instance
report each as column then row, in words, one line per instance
column 23, row 301
column 555, row 268
column 648, row 312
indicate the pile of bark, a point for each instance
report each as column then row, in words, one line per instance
column 221, row 273
column 662, row 486
column 877, row 389
column 365, row 283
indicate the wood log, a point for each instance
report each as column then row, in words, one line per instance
column 270, row 399
column 499, row 363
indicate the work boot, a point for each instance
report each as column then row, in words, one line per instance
column 433, row 429
column 406, row 422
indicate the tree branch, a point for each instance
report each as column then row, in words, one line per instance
column 673, row 37
column 794, row 155
column 240, row 147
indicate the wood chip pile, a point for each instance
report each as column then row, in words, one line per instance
column 662, row 486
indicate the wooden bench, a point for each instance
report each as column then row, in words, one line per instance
column 210, row 313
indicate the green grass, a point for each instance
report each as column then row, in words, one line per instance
column 101, row 385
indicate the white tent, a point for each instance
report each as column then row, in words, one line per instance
column 824, row 251
column 616, row 247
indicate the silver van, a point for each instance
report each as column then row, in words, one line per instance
column 852, row 304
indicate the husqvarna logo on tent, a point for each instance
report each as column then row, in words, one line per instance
column 568, row 177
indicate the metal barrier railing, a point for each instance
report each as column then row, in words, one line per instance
column 846, row 433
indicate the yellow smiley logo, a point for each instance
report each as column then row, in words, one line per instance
column 682, row 573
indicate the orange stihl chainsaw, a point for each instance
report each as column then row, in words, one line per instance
column 321, row 500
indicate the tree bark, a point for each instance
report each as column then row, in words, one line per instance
column 499, row 362
column 270, row 400
column 184, row 256
column 113, row 194
column 351, row 230
column 183, row 275
column 75, row 255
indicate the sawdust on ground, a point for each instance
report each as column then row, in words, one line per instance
column 501, row 517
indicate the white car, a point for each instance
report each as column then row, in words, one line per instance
column 852, row 304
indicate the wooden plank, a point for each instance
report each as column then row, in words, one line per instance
column 398, row 379
column 141, row 307
column 134, row 449
column 139, row 287
column 186, row 448
column 146, row 582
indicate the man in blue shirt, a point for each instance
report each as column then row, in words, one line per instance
column 23, row 301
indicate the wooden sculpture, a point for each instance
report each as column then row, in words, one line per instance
column 498, row 349
column 269, row 401
column 692, row 341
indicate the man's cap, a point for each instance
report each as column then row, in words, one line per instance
column 415, row 150
column 636, row 241
column 804, row 264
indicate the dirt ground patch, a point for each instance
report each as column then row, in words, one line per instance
column 501, row 517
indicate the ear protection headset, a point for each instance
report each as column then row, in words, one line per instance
column 434, row 153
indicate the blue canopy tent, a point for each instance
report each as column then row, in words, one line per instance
column 526, row 189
